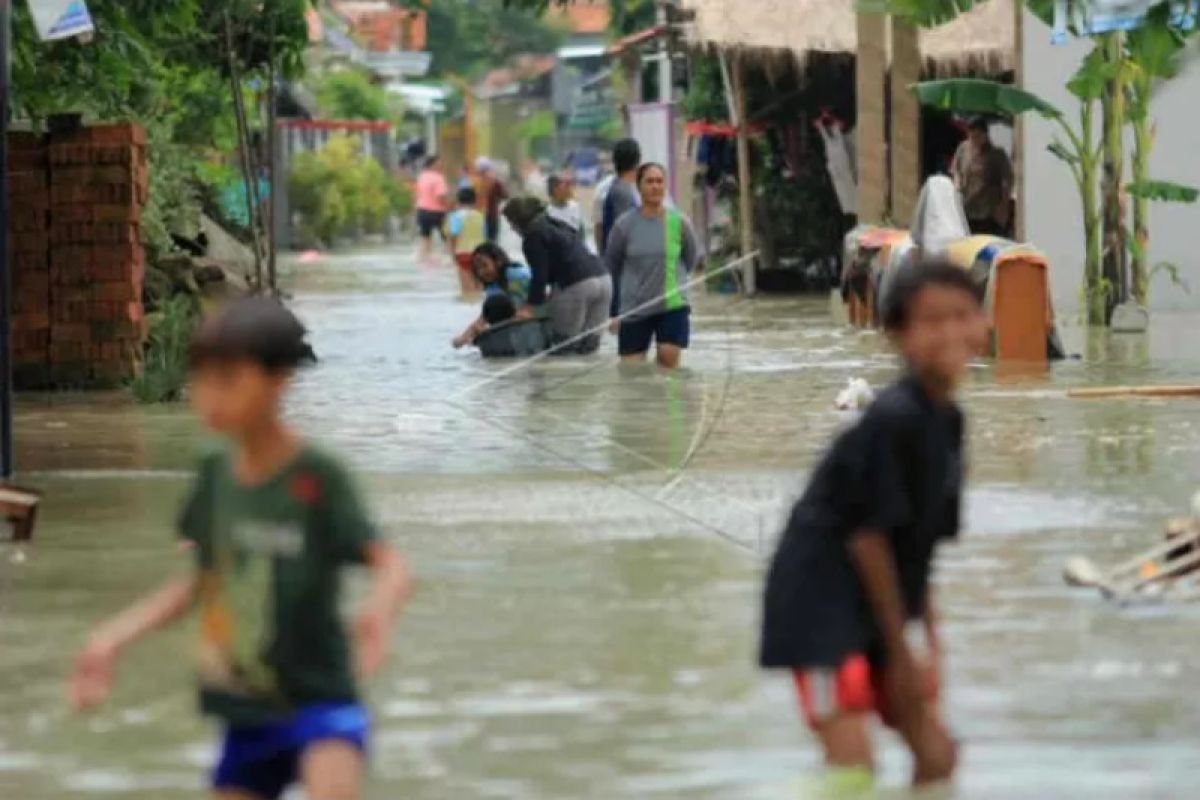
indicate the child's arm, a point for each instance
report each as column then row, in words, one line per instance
column 872, row 557
column 468, row 335
column 92, row 677
column 391, row 586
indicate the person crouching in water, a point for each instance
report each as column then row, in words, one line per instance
column 271, row 521
column 848, row 606
column 505, row 287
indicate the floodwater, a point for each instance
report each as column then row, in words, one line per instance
column 589, row 546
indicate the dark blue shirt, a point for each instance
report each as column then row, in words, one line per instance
column 898, row 470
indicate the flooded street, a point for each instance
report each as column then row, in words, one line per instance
column 588, row 544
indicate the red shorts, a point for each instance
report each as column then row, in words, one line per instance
column 856, row 687
column 464, row 261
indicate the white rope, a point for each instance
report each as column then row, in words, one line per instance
column 528, row 362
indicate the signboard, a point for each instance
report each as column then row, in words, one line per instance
column 60, row 19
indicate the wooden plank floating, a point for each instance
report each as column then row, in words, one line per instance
column 1096, row 392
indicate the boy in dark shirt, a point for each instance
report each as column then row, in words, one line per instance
column 271, row 522
column 847, row 593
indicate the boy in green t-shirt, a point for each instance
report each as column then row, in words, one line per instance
column 271, row 522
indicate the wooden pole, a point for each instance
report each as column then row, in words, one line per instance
column 870, row 70
column 1134, row 391
column 6, row 392
column 239, row 108
column 273, row 165
column 745, row 197
column 906, row 122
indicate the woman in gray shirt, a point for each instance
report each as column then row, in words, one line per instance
column 651, row 251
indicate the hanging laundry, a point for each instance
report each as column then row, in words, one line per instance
column 1105, row 16
column 841, row 170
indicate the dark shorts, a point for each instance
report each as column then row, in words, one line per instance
column 430, row 221
column 265, row 760
column 669, row 327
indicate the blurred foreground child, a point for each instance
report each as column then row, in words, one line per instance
column 848, row 603
column 271, row 521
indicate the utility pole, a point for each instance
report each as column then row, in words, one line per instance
column 6, row 394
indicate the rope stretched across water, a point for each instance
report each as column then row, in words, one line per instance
column 528, row 362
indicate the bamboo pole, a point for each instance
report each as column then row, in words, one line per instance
column 272, row 165
column 745, row 199
column 1088, row 393
column 239, row 108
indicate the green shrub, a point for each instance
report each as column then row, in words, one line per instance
column 165, row 371
column 340, row 191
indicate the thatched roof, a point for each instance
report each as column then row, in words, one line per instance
column 982, row 40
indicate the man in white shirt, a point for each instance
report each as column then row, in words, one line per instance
column 563, row 206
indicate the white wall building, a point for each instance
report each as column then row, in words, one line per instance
column 1053, row 220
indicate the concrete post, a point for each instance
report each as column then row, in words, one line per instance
column 906, row 122
column 870, row 131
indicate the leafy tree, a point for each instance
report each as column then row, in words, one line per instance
column 349, row 94
column 465, row 37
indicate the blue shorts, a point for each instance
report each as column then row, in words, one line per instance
column 264, row 760
column 669, row 327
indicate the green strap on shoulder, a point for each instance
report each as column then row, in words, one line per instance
column 672, row 297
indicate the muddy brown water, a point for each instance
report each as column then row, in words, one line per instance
column 589, row 545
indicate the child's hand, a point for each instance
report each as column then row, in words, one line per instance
column 91, row 680
column 371, row 634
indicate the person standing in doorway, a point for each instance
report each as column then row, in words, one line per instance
column 492, row 195
column 563, row 206
column 650, row 253
column 431, row 206
column 984, row 176
column 622, row 195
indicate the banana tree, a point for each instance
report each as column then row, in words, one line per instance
column 1112, row 112
column 1154, row 53
column 1075, row 145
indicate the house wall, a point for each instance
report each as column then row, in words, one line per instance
column 1052, row 215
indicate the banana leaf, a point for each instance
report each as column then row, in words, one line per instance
column 1093, row 76
column 973, row 96
column 1163, row 191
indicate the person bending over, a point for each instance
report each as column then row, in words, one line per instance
column 848, row 605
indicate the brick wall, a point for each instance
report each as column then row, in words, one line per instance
column 76, row 256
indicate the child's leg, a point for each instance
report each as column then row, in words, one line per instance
column 846, row 741
column 837, row 704
column 332, row 770
column 934, row 750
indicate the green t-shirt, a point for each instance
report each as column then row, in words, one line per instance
column 269, row 556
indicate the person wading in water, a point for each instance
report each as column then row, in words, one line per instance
column 650, row 254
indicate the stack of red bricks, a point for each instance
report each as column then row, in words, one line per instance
column 82, row 305
column 29, row 259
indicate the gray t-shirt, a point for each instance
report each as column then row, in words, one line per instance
column 637, row 258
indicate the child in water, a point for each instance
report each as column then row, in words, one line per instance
column 505, row 287
column 848, row 606
column 271, row 521
column 467, row 228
